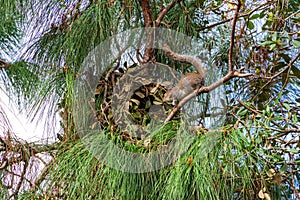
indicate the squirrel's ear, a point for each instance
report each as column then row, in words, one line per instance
column 167, row 92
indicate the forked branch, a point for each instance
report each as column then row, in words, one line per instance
column 205, row 89
column 149, row 24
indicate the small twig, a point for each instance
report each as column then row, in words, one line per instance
column 228, row 20
column 283, row 133
column 43, row 174
column 122, row 10
column 22, row 177
column 4, row 163
column 293, row 14
column 279, row 73
column 138, row 56
column 257, row 112
column 164, row 12
column 4, row 64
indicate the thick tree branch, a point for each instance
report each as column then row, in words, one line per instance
column 149, row 23
column 149, row 51
column 232, row 74
column 236, row 14
column 146, row 13
column 197, row 63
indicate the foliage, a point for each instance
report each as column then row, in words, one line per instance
column 254, row 154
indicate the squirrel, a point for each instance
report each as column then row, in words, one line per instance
column 186, row 85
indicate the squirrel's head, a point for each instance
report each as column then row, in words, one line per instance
column 168, row 96
column 173, row 95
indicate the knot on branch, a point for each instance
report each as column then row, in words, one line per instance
column 239, row 73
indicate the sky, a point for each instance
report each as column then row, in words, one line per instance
column 21, row 124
